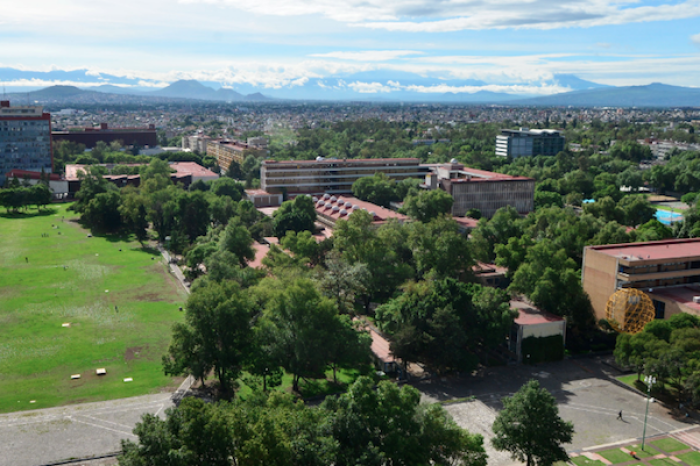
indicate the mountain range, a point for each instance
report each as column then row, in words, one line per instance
column 379, row 86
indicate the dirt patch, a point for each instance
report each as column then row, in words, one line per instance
column 150, row 297
column 132, row 353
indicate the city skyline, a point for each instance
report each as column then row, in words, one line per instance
column 369, row 47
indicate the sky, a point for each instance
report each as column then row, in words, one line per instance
column 514, row 46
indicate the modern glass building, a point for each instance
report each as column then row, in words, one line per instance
column 529, row 142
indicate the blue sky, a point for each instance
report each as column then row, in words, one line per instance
column 510, row 45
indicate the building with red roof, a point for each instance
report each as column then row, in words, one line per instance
column 533, row 323
column 330, row 209
column 478, row 189
column 668, row 271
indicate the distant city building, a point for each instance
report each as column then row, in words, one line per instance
column 429, row 142
column 144, row 137
column 333, row 176
column 196, row 143
column 482, row 190
column 668, row 271
column 258, row 142
column 529, row 142
column 25, row 139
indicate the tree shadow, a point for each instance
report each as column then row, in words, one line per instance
column 37, row 213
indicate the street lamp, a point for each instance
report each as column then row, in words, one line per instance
column 650, row 380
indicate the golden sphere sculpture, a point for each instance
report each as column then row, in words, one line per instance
column 629, row 310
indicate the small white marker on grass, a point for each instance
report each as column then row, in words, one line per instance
column 101, row 371
column 32, row 401
column 128, row 379
column 75, row 376
column 65, row 324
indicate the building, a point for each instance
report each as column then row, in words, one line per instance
column 482, row 190
column 333, row 176
column 258, row 142
column 528, row 142
column 261, row 198
column 225, row 152
column 330, row 209
column 536, row 336
column 25, row 139
column 57, row 185
column 143, row 137
column 668, row 271
column 196, row 143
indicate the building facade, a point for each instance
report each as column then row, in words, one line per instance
column 482, row 190
column 144, row 137
column 333, row 176
column 25, row 139
column 668, row 271
column 529, row 142
column 226, row 152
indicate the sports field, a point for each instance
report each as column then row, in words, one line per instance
column 117, row 297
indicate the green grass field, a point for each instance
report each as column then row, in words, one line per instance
column 669, row 445
column 692, row 458
column 120, row 306
column 615, row 455
column 583, row 461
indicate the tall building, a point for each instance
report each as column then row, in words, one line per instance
column 529, row 142
column 91, row 136
column 482, row 190
column 668, row 271
column 225, row 152
column 333, row 176
column 25, row 139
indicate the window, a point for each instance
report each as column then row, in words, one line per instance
column 660, row 308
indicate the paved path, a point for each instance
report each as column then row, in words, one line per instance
column 174, row 269
column 33, row 438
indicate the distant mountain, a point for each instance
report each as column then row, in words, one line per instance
column 652, row 95
column 192, row 89
column 108, row 88
column 68, row 95
column 575, row 83
column 477, row 97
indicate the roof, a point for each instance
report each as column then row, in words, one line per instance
column 340, row 207
column 258, row 192
column 261, row 251
column 681, row 294
column 475, row 175
column 652, row 250
column 192, row 168
column 380, row 346
column 466, row 222
column 483, row 269
column 32, row 175
column 530, row 315
column 351, row 161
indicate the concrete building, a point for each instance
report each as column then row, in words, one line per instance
column 534, row 324
column 25, row 139
column 331, row 176
column 529, row 142
column 196, row 143
column 261, row 198
column 668, row 271
column 258, row 142
column 479, row 189
column 144, row 137
column 57, row 184
column 225, row 152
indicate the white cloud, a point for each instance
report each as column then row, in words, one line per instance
column 369, row 55
column 370, row 88
column 456, row 15
column 695, row 38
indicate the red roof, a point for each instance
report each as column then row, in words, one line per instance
column 652, row 250
column 466, row 222
column 192, row 168
column 260, row 253
column 378, row 161
column 32, row 175
column 339, row 209
column 681, row 294
column 530, row 315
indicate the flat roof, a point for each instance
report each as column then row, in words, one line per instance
column 192, row 168
column 366, row 161
column 530, row 315
column 652, row 250
column 681, row 294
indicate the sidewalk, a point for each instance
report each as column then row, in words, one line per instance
column 174, row 269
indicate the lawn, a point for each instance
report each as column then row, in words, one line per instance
column 669, row 445
column 692, row 458
column 584, row 461
column 663, row 462
column 615, row 455
column 117, row 297
column 646, row 453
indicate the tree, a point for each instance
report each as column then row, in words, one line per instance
column 299, row 323
column 378, row 189
column 228, row 187
column 529, row 427
column 236, row 240
column 341, row 281
column 390, row 426
column 102, row 212
column 438, row 246
column 297, row 215
column 92, row 183
column 217, row 334
column 428, row 205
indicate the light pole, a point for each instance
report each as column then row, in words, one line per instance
column 650, row 380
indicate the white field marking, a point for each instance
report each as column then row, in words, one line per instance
column 103, row 427
column 108, row 422
column 159, row 410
